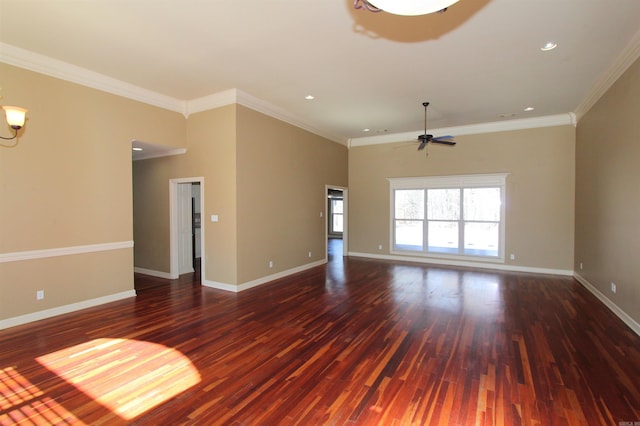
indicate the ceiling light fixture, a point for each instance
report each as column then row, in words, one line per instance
column 404, row 7
column 550, row 45
column 527, row 109
column 309, row 97
column 15, row 119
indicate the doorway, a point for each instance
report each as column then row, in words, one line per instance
column 186, row 204
column 336, row 223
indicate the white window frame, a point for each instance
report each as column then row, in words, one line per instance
column 493, row 180
column 332, row 214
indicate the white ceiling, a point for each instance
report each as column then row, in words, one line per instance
column 479, row 60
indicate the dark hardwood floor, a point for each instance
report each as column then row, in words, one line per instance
column 354, row 342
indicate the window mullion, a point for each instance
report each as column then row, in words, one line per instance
column 425, row 222
column 461, row 223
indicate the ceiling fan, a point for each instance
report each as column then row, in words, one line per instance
column 426, row 138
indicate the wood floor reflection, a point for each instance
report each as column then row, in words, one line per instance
column 354, row 342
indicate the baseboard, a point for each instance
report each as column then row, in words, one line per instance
column 151, row 272
column 467, row 264
column 60, row 310
column 260, row 281
column 633, row 324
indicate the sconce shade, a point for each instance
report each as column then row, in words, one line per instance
column 412, row 7
column 15, row 116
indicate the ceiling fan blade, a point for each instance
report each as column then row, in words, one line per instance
column 443, row 137
column 422, row 145
column 443, row 142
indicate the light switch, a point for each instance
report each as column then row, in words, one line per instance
column 214, row 218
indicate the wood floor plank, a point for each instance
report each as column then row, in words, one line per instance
column 353, row 342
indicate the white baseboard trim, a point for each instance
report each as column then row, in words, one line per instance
column 48, row 313
column 479, row 265
column 151, row 272
column 260, row 281
column 633, row 324
column 62, row 251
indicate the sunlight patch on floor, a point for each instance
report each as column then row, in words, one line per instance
column 23, row 402
column 129, row 377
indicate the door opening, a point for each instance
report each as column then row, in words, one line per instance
column 336, row 223
column 187, row 248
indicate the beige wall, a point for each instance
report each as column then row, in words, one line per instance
column 607, row 201
column 265, row 179
column 282, row 173
column 539, row 189
column 211, row 154
column 67, row 184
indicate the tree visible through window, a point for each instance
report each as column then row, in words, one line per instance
column 449, row 215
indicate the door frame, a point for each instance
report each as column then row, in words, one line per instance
column 345, row 219
column 174, row 228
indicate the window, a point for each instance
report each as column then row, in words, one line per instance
column 336, row 211
column 449, row 216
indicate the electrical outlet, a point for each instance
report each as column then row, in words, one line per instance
column 379, row 246
column 581, row 266
column 39, row 294
column 271, row 264
column 309, row 254
column 512, row 256
column 613, row 288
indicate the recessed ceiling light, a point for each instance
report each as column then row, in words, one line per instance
column 135, row 148
column 309, row 97
column 527, row 109
column 550, row 45
column 366, row 130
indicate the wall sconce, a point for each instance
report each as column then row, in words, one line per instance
column 15, row 119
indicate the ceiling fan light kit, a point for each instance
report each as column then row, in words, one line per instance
column 405, row 7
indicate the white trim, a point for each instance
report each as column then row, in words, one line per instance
column 449, row 181
column 55, row 68
column 239, row 97
column 260, row 281
column 62, row 251
column 628, row 56
column 65, row 71
column 471, row 129
column 153, row 273
column 633, row 324
column 60, row 310
column 479, row 265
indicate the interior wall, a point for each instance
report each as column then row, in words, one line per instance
column 211, row 154
column 607, row 201
column 539, row 189
column 282, row 172
column 66, row 191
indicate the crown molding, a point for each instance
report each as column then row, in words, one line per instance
column 58, row 69
column 628, row 56
column 215, row 100
column 471, row 129
column 237, row 96
column 54, row 68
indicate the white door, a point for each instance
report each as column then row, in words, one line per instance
column 185, row 247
